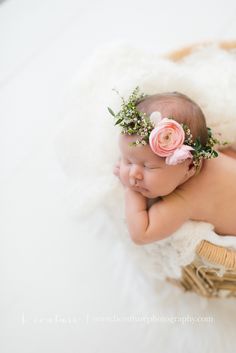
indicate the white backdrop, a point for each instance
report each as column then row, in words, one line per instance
column 55, row 286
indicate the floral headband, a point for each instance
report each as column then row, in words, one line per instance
column 166, row 137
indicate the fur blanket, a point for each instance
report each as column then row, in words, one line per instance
column 87, row 146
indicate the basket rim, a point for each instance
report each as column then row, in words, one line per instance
column 179, row 54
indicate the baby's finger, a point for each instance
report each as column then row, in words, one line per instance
column 116, row 171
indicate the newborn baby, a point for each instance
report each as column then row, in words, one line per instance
column 169, row 169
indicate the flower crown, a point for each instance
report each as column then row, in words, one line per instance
column 166, row 137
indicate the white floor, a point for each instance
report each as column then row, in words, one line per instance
column 50, row 291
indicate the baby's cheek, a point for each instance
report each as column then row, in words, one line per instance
column 124, row 175
column 154, row 181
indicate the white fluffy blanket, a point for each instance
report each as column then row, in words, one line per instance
column 87, row 139
column 86, row 146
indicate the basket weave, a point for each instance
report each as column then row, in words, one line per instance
column 213, row 272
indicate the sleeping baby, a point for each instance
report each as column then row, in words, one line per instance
column 169, row 169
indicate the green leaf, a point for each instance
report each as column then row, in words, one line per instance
column 198, row 144
column 215, row 154
column 118, row 121
column 111, row 111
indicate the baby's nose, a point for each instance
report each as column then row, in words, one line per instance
column 135, row 172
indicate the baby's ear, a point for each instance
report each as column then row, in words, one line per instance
column 191, row 168
column 191, row 165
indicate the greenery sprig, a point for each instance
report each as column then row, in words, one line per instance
column 132, row 121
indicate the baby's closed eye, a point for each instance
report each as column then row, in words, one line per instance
column 145, row 165
column 151, row 167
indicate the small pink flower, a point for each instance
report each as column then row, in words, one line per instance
column 155, row 117
column 180, row 155
column 166, row 137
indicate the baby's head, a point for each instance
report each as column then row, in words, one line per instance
column 181, row 107
column 142, row 169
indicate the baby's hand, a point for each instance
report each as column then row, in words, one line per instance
column 116, row 172
column 116, row 169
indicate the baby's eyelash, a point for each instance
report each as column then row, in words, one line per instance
column 146, row 166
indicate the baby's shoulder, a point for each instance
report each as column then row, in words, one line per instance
column 197, row 194
column 200, row 192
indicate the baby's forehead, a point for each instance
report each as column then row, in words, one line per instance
column 139, row 152
column 125, row 140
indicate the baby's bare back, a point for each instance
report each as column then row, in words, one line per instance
column 211, row 195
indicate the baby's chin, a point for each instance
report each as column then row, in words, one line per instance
column 148, row 194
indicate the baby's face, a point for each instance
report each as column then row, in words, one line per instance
column 145, row 172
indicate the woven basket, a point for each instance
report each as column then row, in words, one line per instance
column 178, row 55
column 212, row 274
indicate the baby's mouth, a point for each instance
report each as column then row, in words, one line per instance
column 139, row 188
column 134, row 185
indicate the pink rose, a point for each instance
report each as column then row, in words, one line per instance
column 166, row 137
column 179, row 155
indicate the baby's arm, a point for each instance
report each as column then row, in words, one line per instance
column 160, row 221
